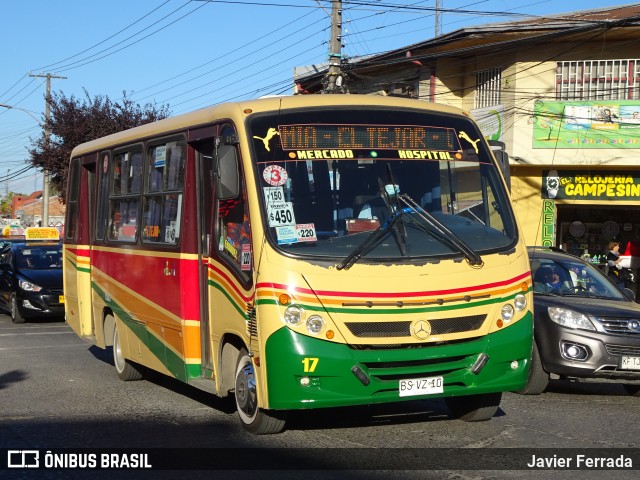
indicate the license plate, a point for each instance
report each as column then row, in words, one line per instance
column 630, row 363
column 60, row 298
column 421, row 386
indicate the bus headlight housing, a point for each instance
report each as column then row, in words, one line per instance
column 315, row 324
column 507, row 312
column 520, row 302
column 293, row 315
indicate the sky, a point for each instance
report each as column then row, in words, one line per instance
column 189, row 54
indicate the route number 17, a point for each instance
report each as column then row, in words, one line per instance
column 309, row 364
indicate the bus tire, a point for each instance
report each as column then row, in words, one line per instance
column 538, row 377
column 474, row 408
column 15, row 311
column 124, row 368
column 253, row 418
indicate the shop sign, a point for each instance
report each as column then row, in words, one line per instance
column 588, row 185
column 548, row 223
column 587, row 124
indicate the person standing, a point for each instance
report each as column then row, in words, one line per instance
column 614, row 265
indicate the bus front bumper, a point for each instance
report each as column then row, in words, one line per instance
column 305, row 372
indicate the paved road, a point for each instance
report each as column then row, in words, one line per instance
column 57, row 391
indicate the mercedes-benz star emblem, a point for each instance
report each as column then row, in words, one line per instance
column 421, row 329
column 633, row 325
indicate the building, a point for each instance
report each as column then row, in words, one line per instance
column 563, row 94
column 28, row 210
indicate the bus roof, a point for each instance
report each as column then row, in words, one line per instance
column 228, row 110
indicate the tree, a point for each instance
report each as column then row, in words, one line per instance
column 74, row 121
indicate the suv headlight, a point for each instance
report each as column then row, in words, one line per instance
column 28, row 286
column 570, row 318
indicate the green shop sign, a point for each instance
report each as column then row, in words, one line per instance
column 588, row 124
column 581, row 185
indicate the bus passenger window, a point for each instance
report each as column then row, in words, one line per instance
column 163, row 195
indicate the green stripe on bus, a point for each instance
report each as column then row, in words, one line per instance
column 167, row 357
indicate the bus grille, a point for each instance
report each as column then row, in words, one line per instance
column 403, row 329
column 252, row 324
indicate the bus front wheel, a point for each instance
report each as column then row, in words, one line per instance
column 253, row 418
column 474, row 408
column 124, row 368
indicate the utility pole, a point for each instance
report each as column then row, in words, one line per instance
column 438, row 7
column 47, row 134
column 333, row 78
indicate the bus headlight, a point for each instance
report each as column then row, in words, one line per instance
column 507, row 312
column 293, row 315
column 315, row 324
column 520, row 302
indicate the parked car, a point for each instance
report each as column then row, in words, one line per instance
column 31, row 280
column 585, row 327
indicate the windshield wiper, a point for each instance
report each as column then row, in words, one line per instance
column 370, row 242
column 442, row 231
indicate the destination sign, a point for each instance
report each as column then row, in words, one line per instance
column 370, row 137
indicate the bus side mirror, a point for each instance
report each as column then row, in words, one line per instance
column 228, row 173
column 499, row 151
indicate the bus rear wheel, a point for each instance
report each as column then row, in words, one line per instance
column 253, row 418
column 124, row 368
column 474, row 408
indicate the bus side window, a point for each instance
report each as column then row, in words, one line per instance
column 163, row 192
column 124, row 199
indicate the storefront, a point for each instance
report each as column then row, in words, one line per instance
column 579, row 210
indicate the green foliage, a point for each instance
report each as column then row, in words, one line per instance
column 74, row 121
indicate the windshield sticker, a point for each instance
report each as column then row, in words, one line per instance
column 245, row 257
column 286, row 234
column 275, row 175
column 280, row 214
column 272, row 132
column 230, row 248
column 273, row 195
column 464, row 136
column 306, row 232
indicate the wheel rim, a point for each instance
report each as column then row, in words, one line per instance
column 14, row 307
column 118, row 359
column 246, row 395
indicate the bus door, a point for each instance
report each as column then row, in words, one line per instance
column 232, row 256
column 204, row 176
column 78, row 229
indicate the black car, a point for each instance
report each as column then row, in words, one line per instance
column 585, row 327
column 31, row 280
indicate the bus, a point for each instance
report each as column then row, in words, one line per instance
column 303, row 252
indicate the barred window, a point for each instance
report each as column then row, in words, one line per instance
column 598, row 80
column 488, row 85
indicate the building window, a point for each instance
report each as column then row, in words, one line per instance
column 488, row 84
column 598, row 80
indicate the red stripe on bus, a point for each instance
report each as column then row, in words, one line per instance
column 331, row 293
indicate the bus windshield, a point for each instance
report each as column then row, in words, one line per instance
column 378, row 185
